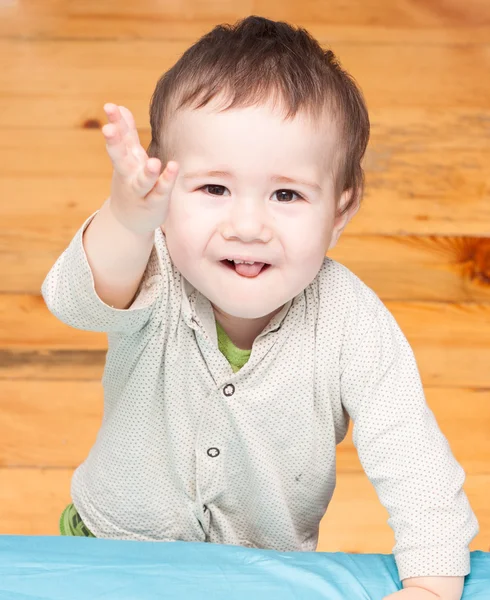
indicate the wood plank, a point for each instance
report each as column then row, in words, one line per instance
column 42, row 363
column 424, row 172
column 435, row 268
column 387, row 78
column 416, row 268
column 64, row 202
column 55, row 423
column 355, row 520
column 451, row 342
column 412, row 128
column 443, row 343
column 441, row 22
column 454, row 269
column 50, row 423
column 413, row 185
column 439, row 14
column 31, row 500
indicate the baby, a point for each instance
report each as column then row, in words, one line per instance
column 237, row 351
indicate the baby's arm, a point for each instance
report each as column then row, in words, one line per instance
column 119, row 239
column 401, row 448
column 117, row 257
column 111, row 274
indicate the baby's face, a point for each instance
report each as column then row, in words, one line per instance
column 288, row 225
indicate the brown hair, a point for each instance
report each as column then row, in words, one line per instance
column 258, row 59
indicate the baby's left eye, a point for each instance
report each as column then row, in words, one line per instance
column 289, row 192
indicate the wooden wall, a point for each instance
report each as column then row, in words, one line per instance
column 421, row 240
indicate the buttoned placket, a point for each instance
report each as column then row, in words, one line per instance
column 210, row 451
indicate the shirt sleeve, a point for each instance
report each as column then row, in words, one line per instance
column 69, row 293
column 402, row 450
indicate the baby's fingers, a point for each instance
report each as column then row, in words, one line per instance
column 165, row 182
column 116, row 148
column 130, row 133
column 147, row 177
column 122, row 142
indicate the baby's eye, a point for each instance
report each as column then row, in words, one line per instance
column 214, row 187
column 212, row 190
column 289, row 192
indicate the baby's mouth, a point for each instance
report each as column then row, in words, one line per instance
column 245, row 270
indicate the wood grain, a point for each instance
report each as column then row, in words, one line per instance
column 390, row 207
column 413, row 185
column 59, row 67
column 413, row 22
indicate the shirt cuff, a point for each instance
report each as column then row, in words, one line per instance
column 433, row 562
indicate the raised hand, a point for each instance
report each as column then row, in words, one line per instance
column 140, row 193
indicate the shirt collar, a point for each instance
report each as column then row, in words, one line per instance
column 198, row 313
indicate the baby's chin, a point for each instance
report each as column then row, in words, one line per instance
column 237, row 311
column 238, row 296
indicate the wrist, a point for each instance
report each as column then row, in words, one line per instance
column 122, row 223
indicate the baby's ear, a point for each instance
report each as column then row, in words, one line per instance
column 345, row 198
column 342, row 221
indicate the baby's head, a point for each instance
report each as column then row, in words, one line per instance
column 269, row 133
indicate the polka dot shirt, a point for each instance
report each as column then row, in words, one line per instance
column 192, row 449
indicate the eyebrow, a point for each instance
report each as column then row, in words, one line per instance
column 275, row 178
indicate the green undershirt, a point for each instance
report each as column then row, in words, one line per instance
column 235, row 356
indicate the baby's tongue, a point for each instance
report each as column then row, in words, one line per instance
column 249, row 270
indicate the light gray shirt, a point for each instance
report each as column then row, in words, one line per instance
column 190, row 450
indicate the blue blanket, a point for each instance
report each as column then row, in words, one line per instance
column 75, row 568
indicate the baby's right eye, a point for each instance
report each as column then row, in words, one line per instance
column 211, row 186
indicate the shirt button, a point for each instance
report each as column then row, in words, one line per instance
column 229, row 390
column 213, row 452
